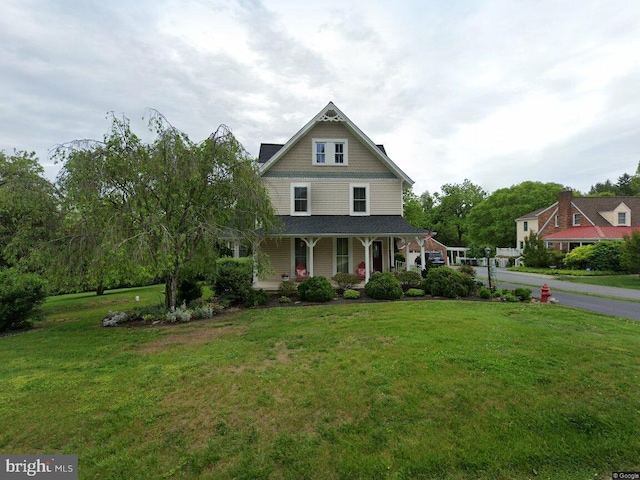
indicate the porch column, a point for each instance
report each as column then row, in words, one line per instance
column 420, row 241
column 392, row 261
column 366, row 243
column 311, row 243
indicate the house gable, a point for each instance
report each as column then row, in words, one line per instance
column 364, row 156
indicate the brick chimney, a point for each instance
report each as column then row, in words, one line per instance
column 565, row 218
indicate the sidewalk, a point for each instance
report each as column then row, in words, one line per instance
column 537, row 280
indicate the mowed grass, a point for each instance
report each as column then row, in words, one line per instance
column 426, row 389
column 620, row 281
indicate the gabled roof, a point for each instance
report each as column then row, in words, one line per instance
column 533, row 215
column 595, row 233
column 592, row 206
column 330, row 113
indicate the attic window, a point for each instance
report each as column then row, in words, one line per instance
column 331, row 116
column 622, row 218
column 330, row 152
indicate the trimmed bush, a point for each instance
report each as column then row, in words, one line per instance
column 579, row 258
column 316, row 289
column 257, row 298
column 467, row 270
column 445, row 282
column 409, row 279
column 20, row 296
column 188, row 291
column 351, row 294
column 510, row 297
column 345, row 281
column 284, row 299
column 288, row 288
column 415, row 292
column 485, row 293
column 523, row 294
column 234, row 279
column 383, row 286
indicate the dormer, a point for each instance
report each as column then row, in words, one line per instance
column 619, row 216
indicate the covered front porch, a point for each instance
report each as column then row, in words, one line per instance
column 325, row 245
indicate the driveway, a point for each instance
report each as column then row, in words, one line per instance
column 578, row 295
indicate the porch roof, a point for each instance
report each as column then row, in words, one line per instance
column 336, row 225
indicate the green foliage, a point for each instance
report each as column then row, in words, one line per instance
column 485, row 293
column 383, row 286
column 524, row 294
column 445, row 282
column 316, row 289
column 607, row 256
column 415, row 292
column 351, row 294
column 234, row 279
column 284, row 299
column 257, row 298
column 20, row 296
column 29, row 213
column 510, row 297
column 579, row 258
column 161, row 203
column 492, row 221
column 467, row 270
column 345, row 280
column 535, row 254
column 556, row 258
column 409, row 279
column 288, row 288
column 188, row 290
column 631, row 252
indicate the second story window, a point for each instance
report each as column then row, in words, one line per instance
column 525, row 225
column 359, row 198
column 300, row 199
column 622, row 218
column 330, row 152
column 576, row 219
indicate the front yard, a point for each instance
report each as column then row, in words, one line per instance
column 430, row 389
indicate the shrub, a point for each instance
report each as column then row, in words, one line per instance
column 579, row 258
column 345, row 280
column 485, row 293
column 284, row 299
column 467, row 270
column 445, row 282
column 178, row 314
column 288, row 288
column 351, row 294
column 188, row 291
column 510, row 297
column 114, row 318
column 607, row 256
column 383, row 286
column 234, row 279
column 415, row 292
column 409, row 279
column 257, row 298
column 631, row 253
column 208, row 310
column 20, row 297
column 523, row 294
column 316, row 289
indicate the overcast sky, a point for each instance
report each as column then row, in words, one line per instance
column 496, row 91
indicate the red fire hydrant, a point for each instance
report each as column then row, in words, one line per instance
column 545, row 293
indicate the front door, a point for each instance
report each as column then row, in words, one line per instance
column 377, row 255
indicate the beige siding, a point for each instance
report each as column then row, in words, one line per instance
column 300, row 157
column 279, row 252
column 323, row 258
column 331, row 197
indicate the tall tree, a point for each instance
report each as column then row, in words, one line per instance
column 493, row 221
column 162, row 204
column 413, row 210
column 29, row 214
column 452, row 206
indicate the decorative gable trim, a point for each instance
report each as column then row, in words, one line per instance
column 331, row 113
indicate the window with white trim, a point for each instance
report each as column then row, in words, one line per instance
column 359, row 199
column 330, row 151
column 525, row 225
column 622, row 218
column 555, row 221
column 300, row 199
column 576, row 219
column 342, row 255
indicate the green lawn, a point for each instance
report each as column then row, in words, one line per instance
column 426, row 389
column 621, row 281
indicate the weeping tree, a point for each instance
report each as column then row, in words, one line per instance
column 162, row 206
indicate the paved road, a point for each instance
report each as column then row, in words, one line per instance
column 573, row 294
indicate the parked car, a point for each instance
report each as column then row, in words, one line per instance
column 434, row 257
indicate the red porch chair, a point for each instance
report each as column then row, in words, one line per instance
column 301, row 273
column 361, row 271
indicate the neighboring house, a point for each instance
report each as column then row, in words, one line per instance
column 575, row 221
column 339, row 199
column 415, row 250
